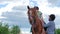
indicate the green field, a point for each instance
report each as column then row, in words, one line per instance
column 57, row 31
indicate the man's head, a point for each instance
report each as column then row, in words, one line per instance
column 51, row 17
column 37, row 8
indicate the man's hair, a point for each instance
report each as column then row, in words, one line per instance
column 52, row 17
column 36, row 7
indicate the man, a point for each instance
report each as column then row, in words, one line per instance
column 51, row 24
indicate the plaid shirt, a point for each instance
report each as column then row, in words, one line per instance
column 50, row 27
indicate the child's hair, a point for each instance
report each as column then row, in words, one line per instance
column 36, row 7
column 52, row 17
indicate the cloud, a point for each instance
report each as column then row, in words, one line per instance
column 15, row 13
column 33, row 2
column 45, row 8
column 13, row 4
column 54, row 3
column 16, row 18
column 3, row 5
column 21, row 8
column 10, row 0
column 24, row 1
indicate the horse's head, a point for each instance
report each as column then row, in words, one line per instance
column 32, row 11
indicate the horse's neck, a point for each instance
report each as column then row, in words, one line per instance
column 36, row 15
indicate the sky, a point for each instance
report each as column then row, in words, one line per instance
column 15, row 11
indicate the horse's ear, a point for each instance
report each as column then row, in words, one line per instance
column 28, row 7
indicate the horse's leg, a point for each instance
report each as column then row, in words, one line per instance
column 43, row 32
column 38, row 32
column 33, row 31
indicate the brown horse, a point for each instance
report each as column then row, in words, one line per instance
column 37, row 27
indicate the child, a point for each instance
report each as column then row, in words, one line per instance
column 51, row 24
column 39, row 13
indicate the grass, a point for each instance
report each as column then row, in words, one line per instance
column 57, row 31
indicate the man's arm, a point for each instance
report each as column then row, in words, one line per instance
column 46, row 25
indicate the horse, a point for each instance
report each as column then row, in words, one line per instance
column 37, row 26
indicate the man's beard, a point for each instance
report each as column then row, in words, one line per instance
column 49, row 19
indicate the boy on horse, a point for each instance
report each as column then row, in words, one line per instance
column 39, row 13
